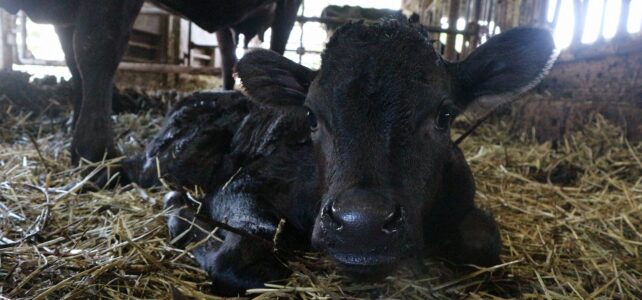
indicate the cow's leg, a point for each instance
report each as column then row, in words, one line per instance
column 235, row 263
column 100, row 39
column 457, row 230
column 66, row 35
column 227, row 45
column 284, row 18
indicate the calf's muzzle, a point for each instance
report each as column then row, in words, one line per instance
column 363, row 229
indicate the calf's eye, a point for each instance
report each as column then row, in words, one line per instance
column 444, row 118
column 312, row 120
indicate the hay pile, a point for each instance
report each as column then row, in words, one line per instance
column 571, row 221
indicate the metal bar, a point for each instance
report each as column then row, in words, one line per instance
column 340, row 21
column 137, row 67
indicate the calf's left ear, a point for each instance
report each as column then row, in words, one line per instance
column 506, row 65
column 269, row 78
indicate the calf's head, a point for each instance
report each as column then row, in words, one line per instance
column 379, row 113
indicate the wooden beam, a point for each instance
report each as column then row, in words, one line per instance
column 165, row 68
column 139, row 67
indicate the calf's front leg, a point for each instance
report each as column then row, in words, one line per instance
column 235, row 263
column 455, row 228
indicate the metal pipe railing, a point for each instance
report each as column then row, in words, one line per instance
column 340, row 21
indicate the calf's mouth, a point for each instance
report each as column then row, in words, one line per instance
column 366, row 267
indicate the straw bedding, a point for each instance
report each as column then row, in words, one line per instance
column 570, row 216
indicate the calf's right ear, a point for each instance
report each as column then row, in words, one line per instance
column 269, row 78
column 506, row 65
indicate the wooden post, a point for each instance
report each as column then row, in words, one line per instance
column 453, row 13
column 473, row 26
column 7, row 41
column 514, row 14
column 580, row 7
column 533, row 13
column 556, row 14
column 600, row 33
column 501, row 15
column 490, row 17
column 624, row 17
column 540, row 8
column 173, row 46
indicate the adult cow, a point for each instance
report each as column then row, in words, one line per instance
column 253, row 25
column 94, row 35
column 356, row 158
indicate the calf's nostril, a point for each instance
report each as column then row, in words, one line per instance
column 330, row 218
column 393, row 221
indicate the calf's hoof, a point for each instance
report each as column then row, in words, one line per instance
column 233, row 263
column 183, row 222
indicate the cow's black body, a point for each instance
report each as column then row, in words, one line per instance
column 356, row 158
column 280, row 15
column 94, row 35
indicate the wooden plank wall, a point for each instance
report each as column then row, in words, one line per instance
column 482, row 17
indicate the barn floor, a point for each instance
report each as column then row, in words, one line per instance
column 571, row 221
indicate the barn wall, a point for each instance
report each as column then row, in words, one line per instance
column 599, row 72
column 603, row 78
column 160, row 38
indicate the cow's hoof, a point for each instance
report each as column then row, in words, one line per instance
column 98, row 178
column 110, row 177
